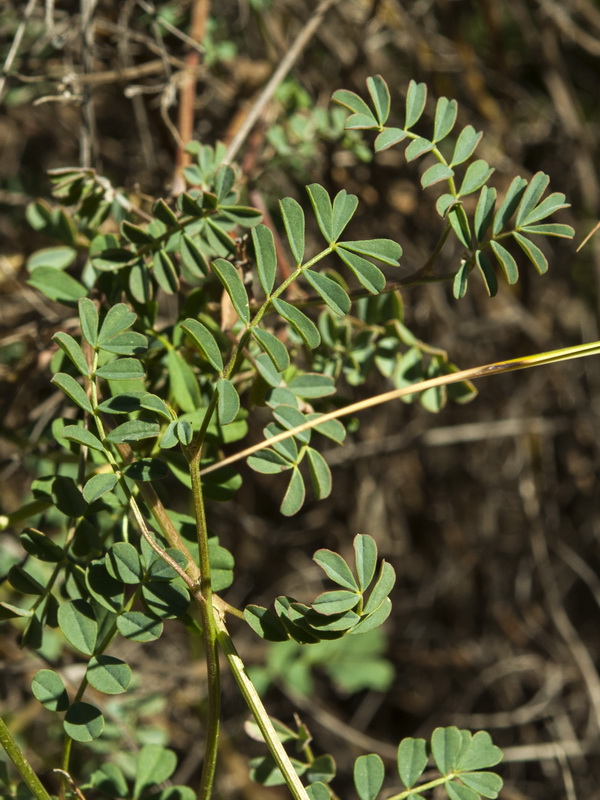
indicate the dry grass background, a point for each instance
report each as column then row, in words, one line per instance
column 488, row 512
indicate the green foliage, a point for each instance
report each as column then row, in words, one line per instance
column 152, row 406
column 459, row 756
column 516, row 218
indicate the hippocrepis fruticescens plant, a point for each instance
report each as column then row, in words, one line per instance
column 147, row 404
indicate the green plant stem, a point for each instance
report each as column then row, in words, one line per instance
column 23, row 766
column 423, row 787
column 260, row 714
column 210, row 637
column 23, row 513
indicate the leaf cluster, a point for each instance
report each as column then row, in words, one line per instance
column 519, row 214
column 460, row 757
column 360, row 605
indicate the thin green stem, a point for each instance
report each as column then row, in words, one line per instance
column 423, row 787
column 210, row 637
column 26, row 771
column 260, row 714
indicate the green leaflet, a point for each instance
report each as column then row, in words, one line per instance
column 293, row 220
column 234, row 286
column 266, row 257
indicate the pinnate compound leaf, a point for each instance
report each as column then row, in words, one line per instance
column 445, row 118
column 88, row 316
column 344, row 206
column 384, row 250
column 370, row 276
column 108, row 674
column 293, row 221
column 123, row 369
column 466, row 144
column 118, row 319
column 134, row 430
column 99, row 485
column 508, row 206
column 304, row 327
column 332, row 293
column 533, row 252
column 506, row 261
column 229, row 401
column 415, row 103
column 336, row 568
column 57, row 285
column 384, row 585
column 155, row 764
column 369, row 773
column 320, row 474
column 72, row 389
column 388, row 138
column 265, row 623
column 457, row 791
column 435, row 174
column 204, row 341
column 83, row 722
column 72, row 349
column 266, row 257
column 323, row 209
column 365, row 554
column 446, row 746
column 294, row 497
column 484, row 212
column 47, row 687
column 234, row 286
column 476, row 175
column 273, row 347
column 77, row 621
column 74, row 433
column 139, row 627
column 531, row 197
column 380, row 95
column 487, row 272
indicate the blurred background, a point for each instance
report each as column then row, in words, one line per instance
column 488, row 511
